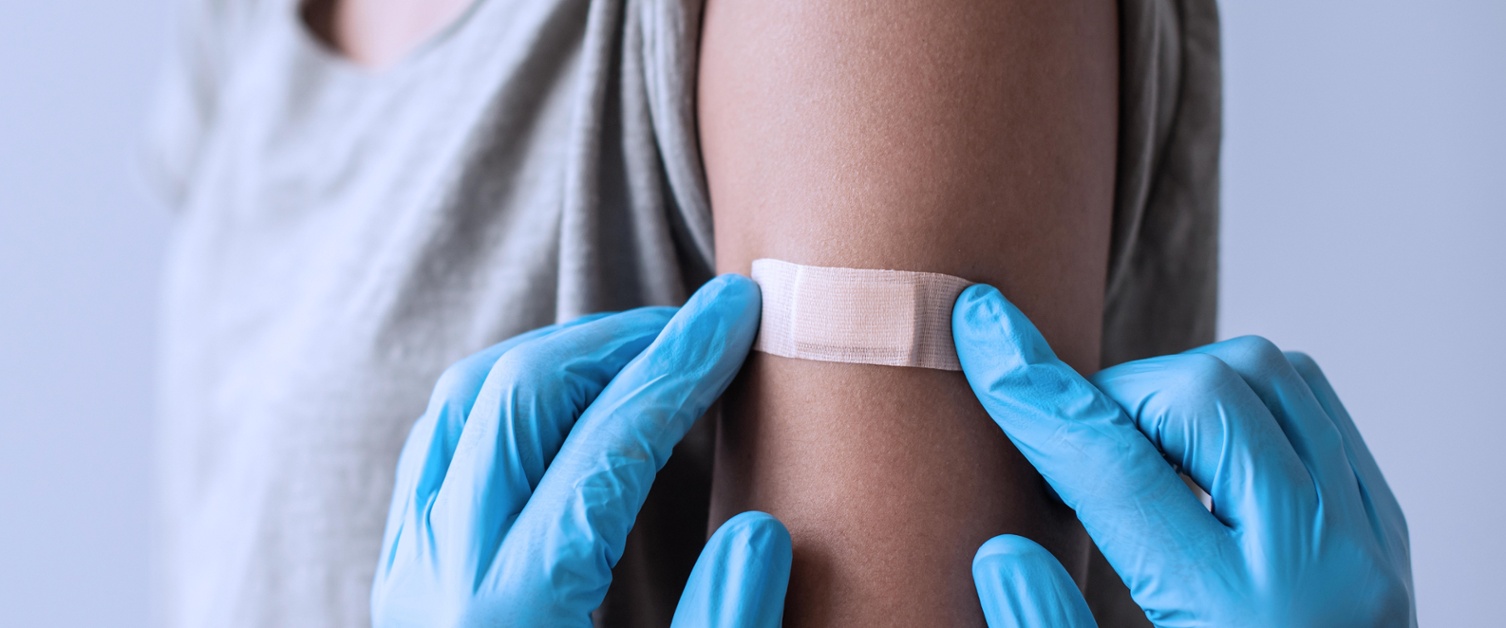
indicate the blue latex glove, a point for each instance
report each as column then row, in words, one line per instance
column 1303, row 531
column 517, row 488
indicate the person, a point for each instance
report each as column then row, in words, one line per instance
column 514, row 513
column 366, row 191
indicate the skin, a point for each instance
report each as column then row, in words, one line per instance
column 379, row 33
column 969, row 137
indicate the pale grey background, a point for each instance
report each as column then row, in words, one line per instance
column 1364, row 162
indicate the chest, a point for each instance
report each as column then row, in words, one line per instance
column 377, row 33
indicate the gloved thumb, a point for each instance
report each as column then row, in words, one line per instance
column 1021, row 584
column 741, row 577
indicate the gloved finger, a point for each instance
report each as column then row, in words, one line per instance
column 1130, row 500
column 741, row 577
column 1313, row 436
column 1386, row 514
column 564, row 544
column 531, row 399
column 431, row 441
column 1208, row 422
column 1021, row 585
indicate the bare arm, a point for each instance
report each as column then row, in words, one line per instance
column 969, row 137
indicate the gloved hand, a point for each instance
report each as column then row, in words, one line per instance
column 1303, row 531
column 516, row 489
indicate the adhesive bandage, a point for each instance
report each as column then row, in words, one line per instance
column 864, row 316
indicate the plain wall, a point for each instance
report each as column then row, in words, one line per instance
column 80, row 251
column 1363, row 221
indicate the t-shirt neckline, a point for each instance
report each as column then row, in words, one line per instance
column 324, row 54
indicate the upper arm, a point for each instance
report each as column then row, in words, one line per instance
column 969, row 137
column 974, row 138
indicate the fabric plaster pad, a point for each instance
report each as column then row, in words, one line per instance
column 857, row 315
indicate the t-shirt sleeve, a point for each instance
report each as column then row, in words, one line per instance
column 1163, row 264
column 667, row 38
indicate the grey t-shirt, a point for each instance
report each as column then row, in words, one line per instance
column 345, row 234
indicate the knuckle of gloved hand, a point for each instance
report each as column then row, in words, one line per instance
column 528, row 366
column 1303, row 362
column 1258, row 355
column 1393, row 601
column 460, row 380
column 1196, row 378
column 1309, row 372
